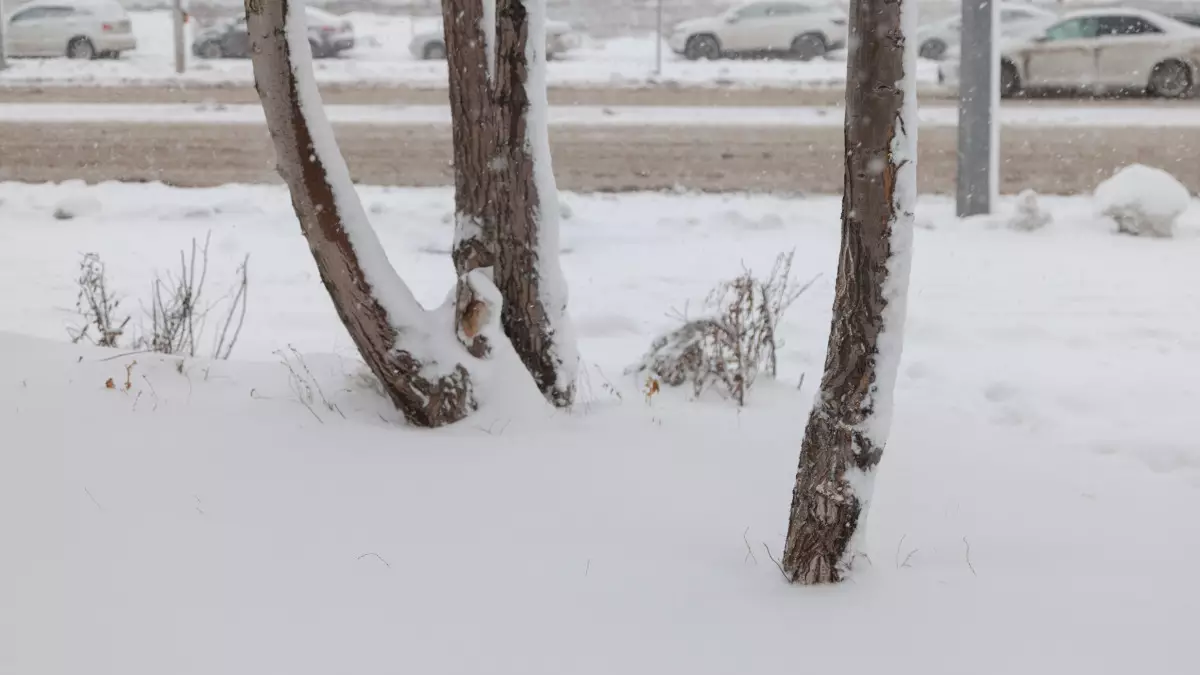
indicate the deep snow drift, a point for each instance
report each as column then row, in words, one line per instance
column 1035, row 511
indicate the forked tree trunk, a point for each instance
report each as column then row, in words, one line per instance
column 506, row 194
column 396, row 337
column 850, row 421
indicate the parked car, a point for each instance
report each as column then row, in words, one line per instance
column 430, row 45
column 936, row 38
column 77, row 29
column 328, row 36
column 803, row 30
column 1100, row 50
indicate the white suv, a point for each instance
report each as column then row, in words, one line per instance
column 78, row 29
column 803, row 30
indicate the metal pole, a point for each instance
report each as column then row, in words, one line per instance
column 978, row 108
column 658, row 43
column 3, row 29
column 180, row 48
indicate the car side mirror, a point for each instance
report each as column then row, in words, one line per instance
column 1042, row 38
column 732, row 18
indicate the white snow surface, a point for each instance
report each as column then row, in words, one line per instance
column 1034, row 512
column 381, row 58
column 596, row 115
column 1143, row 200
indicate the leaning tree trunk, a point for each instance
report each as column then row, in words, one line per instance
column 527, row 268
column 397, row 338
column 850, row 421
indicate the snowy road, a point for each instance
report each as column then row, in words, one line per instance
column 600, row 116
column 382, row 58
column 1063, row 160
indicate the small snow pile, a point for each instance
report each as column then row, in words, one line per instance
column 1144, row 201
column 75, row 206
column 1029, row 215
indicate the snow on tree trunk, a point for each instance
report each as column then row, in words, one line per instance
column 469, row 34
column 527, row 269
column 850, row 420
column 419, row 366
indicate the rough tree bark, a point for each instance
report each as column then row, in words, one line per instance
column 506, row 194
column 850, row 421
column 397, row 338
column 469, row 34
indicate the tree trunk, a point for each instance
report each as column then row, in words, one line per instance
column 470, row 36
column 850, row 421
column 506, row 198
column 527, row 269
column 396, row 337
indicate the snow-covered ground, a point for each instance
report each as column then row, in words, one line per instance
column 382, row 58
column 1035, row 511
column 596, row 116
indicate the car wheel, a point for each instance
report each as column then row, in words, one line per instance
column 702, row 47
column 434, row 51
column 81, row 49
column 1171, row 79
column 808, row 47
column 933, row 49
column 1010, row 80
column 211, row 50
column 315, row 47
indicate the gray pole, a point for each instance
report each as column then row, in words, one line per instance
column 180, row 49
column 3, row 28
column 978, row 99
column 658, row 43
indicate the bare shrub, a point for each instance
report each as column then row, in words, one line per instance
column 734, row 341
column 177, row 313
column 98, row 306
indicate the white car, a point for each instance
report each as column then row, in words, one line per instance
column 803, row 30
column 935, row 39
column 431, row 45
column 77, row 29
column 1100, row 50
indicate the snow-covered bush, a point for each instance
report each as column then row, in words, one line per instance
column 1143, row 200
column 733, row 342
column 1029, row 215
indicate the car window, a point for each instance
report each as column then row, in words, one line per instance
column 1126, row 25
column 29, row 15
column 787, row 9
column 756, row 11
column 1081, row 28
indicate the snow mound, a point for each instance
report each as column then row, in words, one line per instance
column 1144, row 201
column 1029, row 215
column 75, row 206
